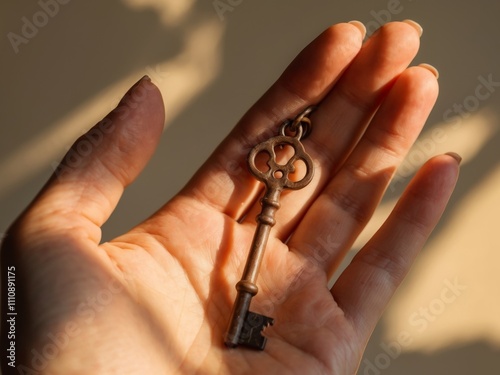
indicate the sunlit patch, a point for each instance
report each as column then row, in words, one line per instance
column 171, row 12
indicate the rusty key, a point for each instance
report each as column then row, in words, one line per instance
column 245, row 327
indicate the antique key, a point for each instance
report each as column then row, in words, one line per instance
column 245, row 327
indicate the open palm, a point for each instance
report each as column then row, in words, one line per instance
column 157, row 299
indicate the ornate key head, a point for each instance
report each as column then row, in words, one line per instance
column 278, row 175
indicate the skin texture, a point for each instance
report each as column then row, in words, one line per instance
column 157, row 299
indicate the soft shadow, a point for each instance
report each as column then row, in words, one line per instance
column 479, row 357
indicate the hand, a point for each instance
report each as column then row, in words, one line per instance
column 157, row 299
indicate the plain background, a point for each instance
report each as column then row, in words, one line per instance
column 211, row 66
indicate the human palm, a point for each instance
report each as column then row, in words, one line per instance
column 157, row 299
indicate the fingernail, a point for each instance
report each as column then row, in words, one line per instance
column 129, row 91
column 129, row 95
column 455, row 156
column 431, row 69
column 361, row 27
column 143, row 78
column 416, row 26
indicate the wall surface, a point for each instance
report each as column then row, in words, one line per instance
column 211, row 66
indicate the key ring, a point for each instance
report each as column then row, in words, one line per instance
column 300, row 125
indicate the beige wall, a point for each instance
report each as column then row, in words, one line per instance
column 210, row 68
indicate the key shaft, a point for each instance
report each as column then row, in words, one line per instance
column 247, row 287
column 265, row 221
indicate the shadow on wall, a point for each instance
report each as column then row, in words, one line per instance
column 113, row 46
column 81, row 40
column 477, row 357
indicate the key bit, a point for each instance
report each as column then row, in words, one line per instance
column 251, row 333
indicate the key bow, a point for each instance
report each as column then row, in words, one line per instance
column 277, row 176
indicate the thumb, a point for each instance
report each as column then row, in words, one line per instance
column 88, row 183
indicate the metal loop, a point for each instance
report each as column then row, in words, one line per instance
column 302, row 121
column 299, row 131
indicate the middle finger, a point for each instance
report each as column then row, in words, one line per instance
column 345, row 113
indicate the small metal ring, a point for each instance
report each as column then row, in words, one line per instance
column 299, row 131
column 304, row 122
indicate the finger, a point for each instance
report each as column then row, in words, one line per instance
column 92, row 176
column 366, row 286
column 223, row 182
column 346, row 111
column 348, row 201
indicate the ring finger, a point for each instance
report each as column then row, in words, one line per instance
column 348, row 201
